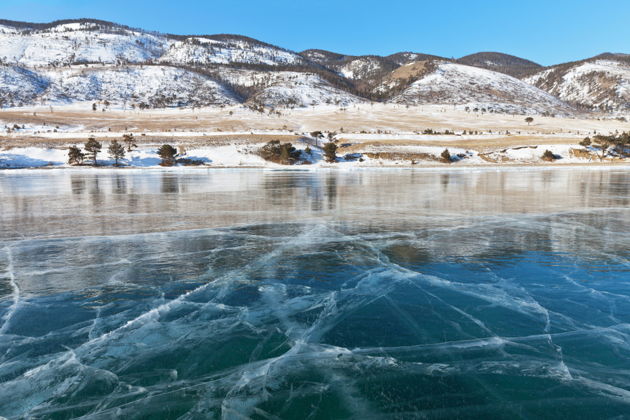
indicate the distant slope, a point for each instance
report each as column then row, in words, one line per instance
column 409, row 57
column 364, row 70
column 284, row 88
column 78, row 42
column 323, row 56
column 153, row 86
column 227, row 49
column 455, row 84
column 602, row 82
column 20, row 86
column 503, row 63
column 88, row 41
column 92, row 60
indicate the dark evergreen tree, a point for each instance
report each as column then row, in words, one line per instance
column 75, row 155
column 283, row 153
column 129, row 141
column 548, row 156
column 167, row 153
column 116, row 151
column 330, row 152
column 93, row 148
column 618, row 142
column 446, row 156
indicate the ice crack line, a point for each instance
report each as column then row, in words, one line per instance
column 15, row 294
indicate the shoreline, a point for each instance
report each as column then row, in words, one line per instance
column 313, row 168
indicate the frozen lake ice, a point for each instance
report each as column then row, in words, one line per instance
column 322, row 294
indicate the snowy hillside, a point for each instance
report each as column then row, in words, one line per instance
column 80, row 42
column 604, row 84
column 288, row 89
column 364, row 67
column 156, row 86
column 90, row 42
column 457, row 84
column 92, row 60
column 19, row 86
column 227, row 50
column 322, row 56
column 503, row 63
column 403, row 58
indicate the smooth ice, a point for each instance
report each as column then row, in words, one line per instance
column 368, row 294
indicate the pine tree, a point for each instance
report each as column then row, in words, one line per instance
column 116, row 151
column 330, row 152
column 129, row 141
column 93, row 148
column 167, row 153
column 446, row 156
column 586, row 142
column 604, row 143
column 548, row 156
column 75, row 155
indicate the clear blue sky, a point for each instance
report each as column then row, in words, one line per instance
column 548, row 32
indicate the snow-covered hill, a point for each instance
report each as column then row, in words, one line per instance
column 503, row 63
column 600, row 83
column 105, row 43
column 300, row 89
column 91, row 60
column 78, row 42
column 20, row 86
column 365, row 67
column 227, row 50
column 456, row 84
column 156, row 86
column 287, row 89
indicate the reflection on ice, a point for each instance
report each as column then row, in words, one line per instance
column 349, row 308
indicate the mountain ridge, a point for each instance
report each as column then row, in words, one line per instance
column 262, row 74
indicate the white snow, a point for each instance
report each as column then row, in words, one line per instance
column 154, row 85
column 360, row 67
column 83, row 61
column 85, row 42
column 479, row 88
column 149, row 84
column 591, row 83
column 290, row 89
column 244, row 154
column 19, row 86
column 76, row 43
column 198, row 50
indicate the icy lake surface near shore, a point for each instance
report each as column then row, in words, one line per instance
column 367, row 294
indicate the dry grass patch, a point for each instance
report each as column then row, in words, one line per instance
column 402, row 156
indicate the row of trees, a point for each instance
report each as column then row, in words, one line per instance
column 116, row 151
column 619, row 142
column 287, row 154
column 91, row 149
